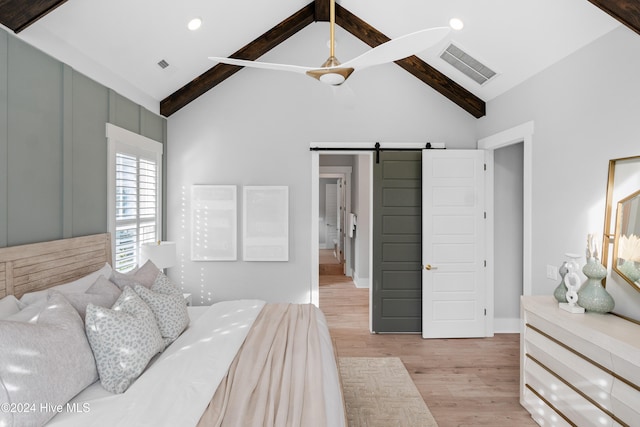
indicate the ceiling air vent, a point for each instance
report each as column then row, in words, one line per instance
column 163, row 64
column 467, row 64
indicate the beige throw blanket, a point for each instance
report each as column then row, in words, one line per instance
column 276, row 377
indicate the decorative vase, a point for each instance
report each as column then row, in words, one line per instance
column 628, row 267
column 592, row 296
column 560, row 294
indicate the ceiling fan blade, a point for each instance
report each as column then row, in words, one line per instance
column 266, row 65
column 399, row 48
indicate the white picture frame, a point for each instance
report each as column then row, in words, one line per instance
column 265, row 223
column 214, row 223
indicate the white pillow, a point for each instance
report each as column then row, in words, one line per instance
column 123, row 339
column 30, row 313
column 79, row 286
column 48, row 362
column 9, row 305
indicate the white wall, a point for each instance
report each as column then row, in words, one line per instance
column 255, row 129
column 585, row 111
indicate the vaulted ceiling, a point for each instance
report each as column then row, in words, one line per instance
column 120, row 42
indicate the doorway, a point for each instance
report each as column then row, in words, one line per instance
column 354, row 171
column 368, row 160
column 331, row 225
column 508, row 205
column 521, row 135
column 334, row 201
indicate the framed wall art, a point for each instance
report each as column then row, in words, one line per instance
column 214, row 224
column 265, row 223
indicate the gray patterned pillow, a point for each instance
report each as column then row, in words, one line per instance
column 164, row 285
column 47, row 362
column 123, row 339
column 170, row 311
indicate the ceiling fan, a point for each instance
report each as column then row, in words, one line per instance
column 332, row 72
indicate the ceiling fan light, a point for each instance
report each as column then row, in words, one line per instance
column 333, row 79
column 332, row 76
column 194, row 24
column 456, row 24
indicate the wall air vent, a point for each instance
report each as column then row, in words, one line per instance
column 467, row 64
column 163, row 64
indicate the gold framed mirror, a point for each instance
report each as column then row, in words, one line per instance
column 626, row 242
column 622, row 184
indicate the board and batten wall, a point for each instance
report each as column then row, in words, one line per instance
column 53, row 149
column 585, row 109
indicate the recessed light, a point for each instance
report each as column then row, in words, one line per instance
column 194, row 24
column 456, row 24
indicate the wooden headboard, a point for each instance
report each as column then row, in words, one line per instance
column 38, row 266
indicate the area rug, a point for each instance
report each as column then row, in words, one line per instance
column 379, row 392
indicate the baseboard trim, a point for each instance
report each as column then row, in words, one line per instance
column 360, row 282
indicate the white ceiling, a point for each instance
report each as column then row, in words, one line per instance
column 119, row 42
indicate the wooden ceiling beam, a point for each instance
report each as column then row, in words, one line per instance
column 414, row 65
column 322, row 10
column 318, row 10
column 19, row 14
column 625, row 11
column 251, row 51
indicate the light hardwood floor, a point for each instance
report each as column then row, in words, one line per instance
column 465, row 382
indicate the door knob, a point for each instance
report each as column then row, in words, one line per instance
column 429, row 267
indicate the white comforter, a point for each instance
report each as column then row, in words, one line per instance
column 178, row 386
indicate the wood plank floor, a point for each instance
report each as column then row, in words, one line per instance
column 465, row 382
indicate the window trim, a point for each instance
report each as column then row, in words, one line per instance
column 135, row 143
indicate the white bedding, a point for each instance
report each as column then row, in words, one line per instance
column 179, row 384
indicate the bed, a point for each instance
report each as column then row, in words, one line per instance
column 243, row 362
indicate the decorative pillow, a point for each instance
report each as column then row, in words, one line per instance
column 164, row 285
column 9, row 305
column 123, row 339
column 46, row 363
column 29, row 313
column 102, row 293
column 104, row 286
column 170, row 311
column 78, row 286
column 144, row 276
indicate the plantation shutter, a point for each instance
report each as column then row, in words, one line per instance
column 136, row 197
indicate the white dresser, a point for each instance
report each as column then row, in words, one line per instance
column 578, row 369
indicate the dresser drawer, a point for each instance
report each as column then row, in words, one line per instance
column 542, row 413
column 626, row 369
column 570, row 367
column 626, row 403
column 568, row 402
column 584, row 347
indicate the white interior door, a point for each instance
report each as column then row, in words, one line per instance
column 453, row 244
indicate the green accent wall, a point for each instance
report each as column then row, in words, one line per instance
column 53, row 149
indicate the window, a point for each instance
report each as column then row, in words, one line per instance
column 135, row 189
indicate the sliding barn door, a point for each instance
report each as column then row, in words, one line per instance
column 397, row 235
